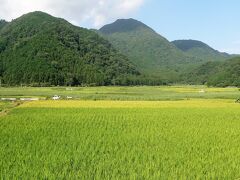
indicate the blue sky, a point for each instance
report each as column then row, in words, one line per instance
column 215, row 22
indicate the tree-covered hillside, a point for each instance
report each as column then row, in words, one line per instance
column 2, row 23
column 149, row 51
column 39, row 49
column 200, row 50
column 220, row 74
column 123, row 25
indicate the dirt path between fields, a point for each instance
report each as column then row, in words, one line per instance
column 8, row 107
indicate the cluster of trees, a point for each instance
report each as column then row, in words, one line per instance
column 2, row 23
column 227, row 74
column 220, row 74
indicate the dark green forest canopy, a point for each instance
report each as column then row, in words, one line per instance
column 43, row 50
column 221, row 74
column 123, row 25
column 2, row 23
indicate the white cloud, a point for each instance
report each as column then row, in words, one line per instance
column 97, row 12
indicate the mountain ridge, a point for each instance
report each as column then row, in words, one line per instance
column 201, row 50
column 123, row 25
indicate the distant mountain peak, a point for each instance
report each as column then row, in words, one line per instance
column 123, row 25
column 187, row 44
column 201, row 50
column 36, row 14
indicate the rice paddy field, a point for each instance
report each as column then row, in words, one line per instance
column 124, row 93
column 144, row 135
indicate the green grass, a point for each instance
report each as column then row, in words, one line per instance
column 191, row 139
column 6, row 106
column 125, row 93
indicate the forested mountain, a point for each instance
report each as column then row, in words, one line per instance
column 149, row 51
column 123, row 25
column 39, row 49
column 200, row 50
column 222, row 74
column 2, row 23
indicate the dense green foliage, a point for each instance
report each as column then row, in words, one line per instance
column 220, row 74
column 121, row 140
column 123, row 25
column 5, row 105
column 39, row 49
column 2, row 23
column 150, row 52
column 200, row 50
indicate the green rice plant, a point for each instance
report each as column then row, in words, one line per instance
column 195, row 139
